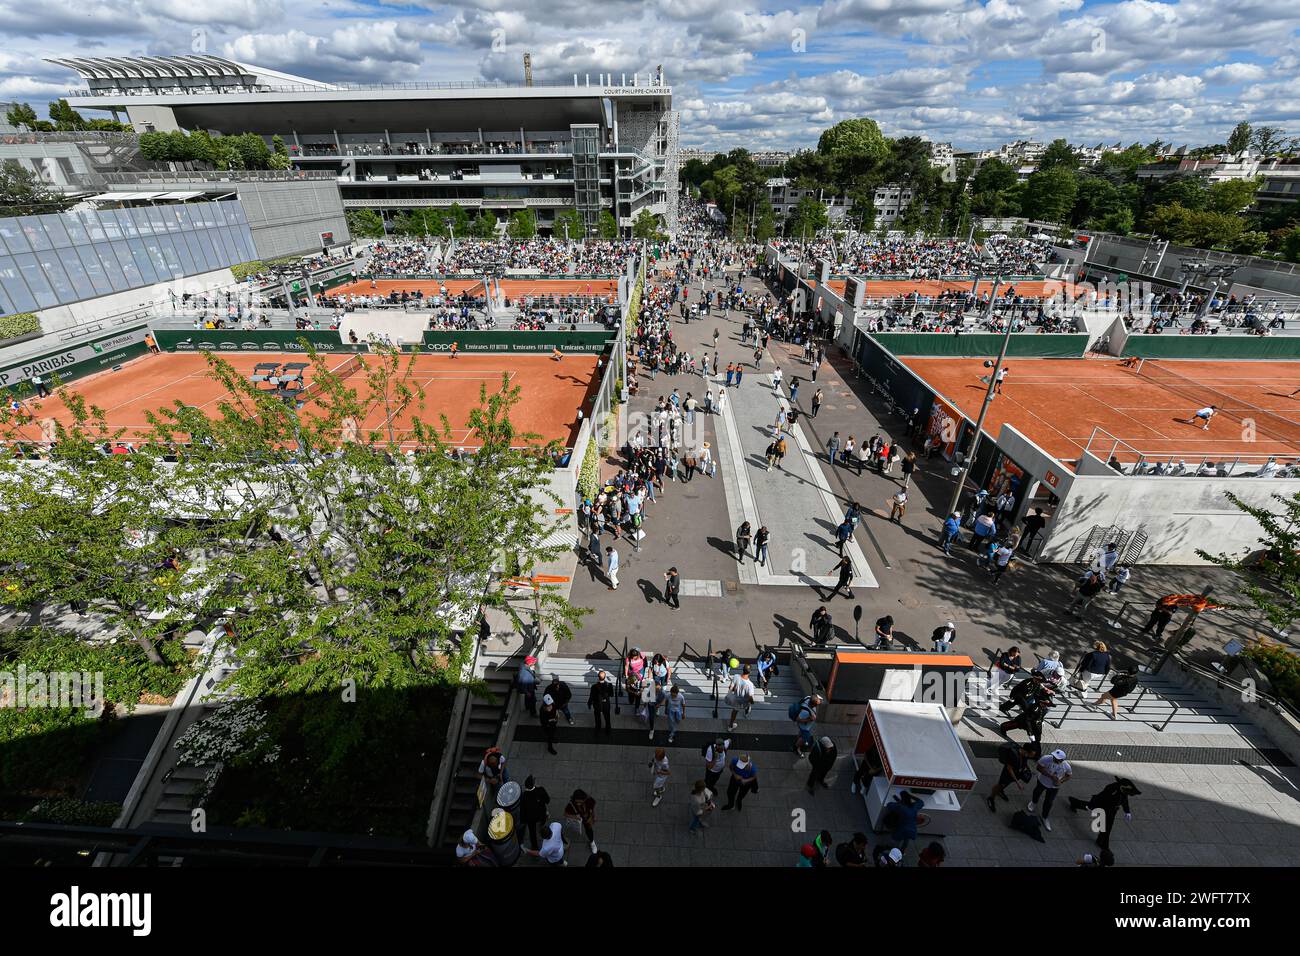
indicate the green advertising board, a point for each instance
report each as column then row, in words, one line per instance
column 1227, row 347
column 59, row 366
column 983, row 344
column 467, row 343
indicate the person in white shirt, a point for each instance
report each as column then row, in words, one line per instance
column 1106, row 561
column 1053, row 773
column 776, row 379
column 740, row 696
column 552, row 850
column 1204, row 415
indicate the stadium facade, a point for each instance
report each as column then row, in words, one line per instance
column 589, row 146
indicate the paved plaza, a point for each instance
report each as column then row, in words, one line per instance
column 1215, row 789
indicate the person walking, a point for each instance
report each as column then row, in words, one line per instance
column 820, row 626
column 1016, row 760
column 943, row 636
column 984, row 531
column 1161, row 615
column 744, row 535
column 898, row 506
column 492, row 769
column 794, row 390
column 561, row 694
column 674, row 710
column 1034, row 525
column 526, row 681
column 1124, row 683
column 1053, row 773
column 951, row 529
column 1109, row 801
column 549, row 717
column 552, row 849
column 844, row 567
column 659, row 773
column 740, row 697
column 533, row 812
column 672, row 588
column 702, row 806
column 581, row 810
column 1086, row 590
column 1093, row 668
column 908, row 467
column 611, row 567
column 652, row 695
column 833, row 449
column 598, row 700
column 843, row 532
column 715, row 761
column 804, row 714
column 760, row 545
column 1002, row 561
column 817, row 401
column 821, row 761
column 744, row 781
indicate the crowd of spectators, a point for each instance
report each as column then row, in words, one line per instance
column 925, row 257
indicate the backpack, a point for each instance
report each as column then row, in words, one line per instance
column 798, row 707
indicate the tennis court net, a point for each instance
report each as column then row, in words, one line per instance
column 343, row 371
column 1230, row 406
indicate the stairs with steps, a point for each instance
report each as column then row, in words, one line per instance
column 694, row 680
column 483, row 724
column 1158, row 705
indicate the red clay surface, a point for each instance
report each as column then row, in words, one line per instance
column 510, row 287
column 551, row 391
column 884, row 288
column 1056, row 403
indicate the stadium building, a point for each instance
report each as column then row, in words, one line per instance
column 591, row 146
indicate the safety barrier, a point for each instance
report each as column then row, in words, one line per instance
column 983, row 344
column 468, row 343
column 1228, row 347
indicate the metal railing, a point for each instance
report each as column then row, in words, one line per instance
column 169, row 177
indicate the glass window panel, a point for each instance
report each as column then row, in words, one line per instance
column 76, row 231
column 183, row 254
column 156, row 259
column 14, row 286
column 81, row 284
column 246, row 241
column 53, row 269
column 210, row 258
column 143, row 223
column 94, row 270
column 54, row 229
column 158, row 218
column 31, row 227
column 186, row 240
column 36, row 281
column 12, row 235
column 112, row 227
column 185, row 216
column 221, row 237
column 112, row 268
column 130, row 271
column 173, row 260
column 6, row 306
column 94, row 226
column 147, row 272
column 125, row 223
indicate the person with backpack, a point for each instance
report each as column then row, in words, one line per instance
column 1109, row 800
column 804, row 714
column 526, row 681
column 701, row 806
column 1086, row 590
column 843, row 533
column 821, row 762
column 715, row 761
column 740, row 696
column 744, row 535
column 844, row 567
column 492, row 768
column 820, row 626
column 561, row 694
column 1015, row 760
column 744, row 781
column 634, row 667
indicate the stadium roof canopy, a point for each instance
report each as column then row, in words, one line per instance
column 203, row 68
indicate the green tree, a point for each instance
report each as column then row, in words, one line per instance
column 1050, row 195
column 1269, row 140
column 277, row 145
column 1239, row 140
column 22, row 116
column 23, row 193
column 1290, row 245
column 990, row 187
column 1232, row 195
column 568, row 224
column 457, row 219
column 808, row 218
column 764, row 221
column 1058, row 155
column 858, row 139
column 645, row 225
column 606, row 225
column 484, row 225
column 421, row 221
column 365, row 224
column 523, row 224
column 1195, row 227
column 1187, row 191
column 65, row 117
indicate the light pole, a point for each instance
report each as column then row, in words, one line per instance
column 988, row 400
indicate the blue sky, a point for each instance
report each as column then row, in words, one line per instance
column 748, row 72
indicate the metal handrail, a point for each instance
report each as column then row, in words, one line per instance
column 618, row 673
column 685, row 648
column 713, row 673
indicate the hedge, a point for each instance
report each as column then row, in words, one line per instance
column 20, row 323
column 589, row 476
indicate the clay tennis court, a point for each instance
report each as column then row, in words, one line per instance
column 1057, row 402
column 887, row 288
column 551, row 391
column 511, row 288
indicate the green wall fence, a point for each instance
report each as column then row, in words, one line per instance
column 60, row 366
column 983, row 344
column 1226, row 347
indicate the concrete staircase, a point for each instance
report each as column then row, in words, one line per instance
column 482, row 726
column 694, row 680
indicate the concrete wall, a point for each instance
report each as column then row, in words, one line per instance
column 1178, row 514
